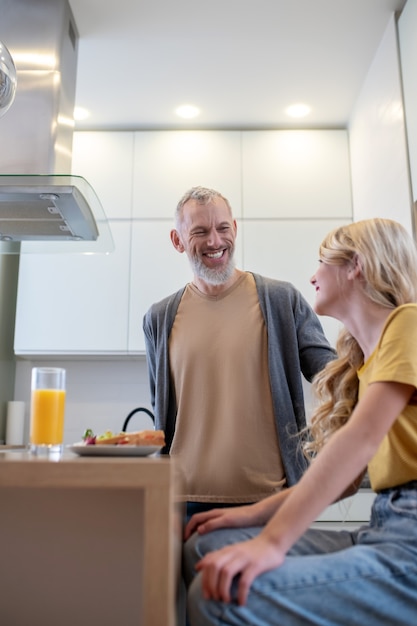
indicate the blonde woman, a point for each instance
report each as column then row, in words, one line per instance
column 263, row 566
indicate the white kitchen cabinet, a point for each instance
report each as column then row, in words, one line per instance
column 74, row 303
column 355, row 509
column 168, row 163
column 288, row 250
column 348, row 514
column 81, row 304
column 297, row 174
column 78, row 303
column 157, row 271
column 105, row 159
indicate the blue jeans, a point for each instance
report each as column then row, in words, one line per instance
column 329, row 578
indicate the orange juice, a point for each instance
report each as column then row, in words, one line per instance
column 47, row 416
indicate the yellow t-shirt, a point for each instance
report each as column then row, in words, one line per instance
column 395, row 359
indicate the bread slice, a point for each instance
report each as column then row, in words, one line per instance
column 145, row 438
column 138, row 438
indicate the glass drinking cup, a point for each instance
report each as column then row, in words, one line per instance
column 47, row 410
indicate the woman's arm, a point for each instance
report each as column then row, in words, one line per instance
column 340, row 461
column 353, row 487
column 338, row 465
column 257, row 514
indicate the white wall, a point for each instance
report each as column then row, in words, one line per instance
column 378, row 148
column 407, row 32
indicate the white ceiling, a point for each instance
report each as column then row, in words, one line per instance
column 242, row 62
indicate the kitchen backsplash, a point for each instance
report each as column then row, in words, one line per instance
column 100, row 393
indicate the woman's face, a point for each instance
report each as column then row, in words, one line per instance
column 330, row 283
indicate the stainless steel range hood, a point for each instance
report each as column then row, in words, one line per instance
column 43, row 207
column 55, row 213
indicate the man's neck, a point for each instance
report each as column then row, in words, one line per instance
column 215, row 290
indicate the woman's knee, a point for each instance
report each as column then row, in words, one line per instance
column 196, row 547
column 200, row 611
column 199, row 545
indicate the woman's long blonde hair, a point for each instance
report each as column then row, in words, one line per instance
column 387, row 256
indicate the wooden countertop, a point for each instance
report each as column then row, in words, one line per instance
column 20, row 468
column 58, row 513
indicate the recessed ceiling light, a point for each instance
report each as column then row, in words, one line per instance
column 81, row 114
column 298, row 110
column 187, row 111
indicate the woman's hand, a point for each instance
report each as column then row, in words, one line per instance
column 233, row 517
column 246, row 559
column 243, row 516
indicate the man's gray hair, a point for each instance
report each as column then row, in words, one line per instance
column 203, row 195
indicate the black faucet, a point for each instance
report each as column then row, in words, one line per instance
column 140, row 408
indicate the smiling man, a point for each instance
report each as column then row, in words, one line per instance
column 206, row 232
column 226, row 355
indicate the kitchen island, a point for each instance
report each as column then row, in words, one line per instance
column 87, row 540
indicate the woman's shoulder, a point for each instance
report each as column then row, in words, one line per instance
column 403, row 312
column 401, row 323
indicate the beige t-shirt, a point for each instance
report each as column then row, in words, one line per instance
column 225, row 441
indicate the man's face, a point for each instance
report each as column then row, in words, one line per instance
column 207, row 235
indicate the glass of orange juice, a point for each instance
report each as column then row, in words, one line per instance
column 47, row 410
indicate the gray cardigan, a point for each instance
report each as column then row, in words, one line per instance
column 296, row 345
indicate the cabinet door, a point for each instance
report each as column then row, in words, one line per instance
column 76, row 303
column 168, row 163
column 296, row 174
column 105, row 160
column 157, row 271
column 356, row 508
column 70, row 303
column 288, row 250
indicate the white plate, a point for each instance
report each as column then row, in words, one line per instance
column 111, row 450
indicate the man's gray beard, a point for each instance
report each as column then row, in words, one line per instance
column 212, row 276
